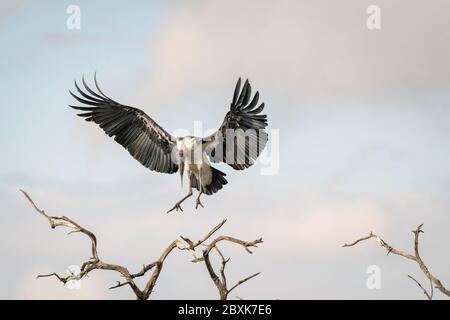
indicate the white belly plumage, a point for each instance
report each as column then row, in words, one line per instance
column 202, row 169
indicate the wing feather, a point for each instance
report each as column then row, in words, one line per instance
column 247, row 127
column 131, row 127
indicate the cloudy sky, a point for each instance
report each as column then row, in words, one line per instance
column 361, row 142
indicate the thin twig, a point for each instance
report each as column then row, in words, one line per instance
column 119, row 284
column 414, row 257
column 242, row 281
column 429, row 296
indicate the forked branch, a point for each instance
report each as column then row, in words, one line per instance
column 184, row 243
column 414, row 257
column 221, row 282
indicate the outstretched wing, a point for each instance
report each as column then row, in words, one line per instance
column 242, row 137
column 144, row 139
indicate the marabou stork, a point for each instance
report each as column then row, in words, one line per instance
column 238, row 142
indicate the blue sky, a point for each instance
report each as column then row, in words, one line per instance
column 40, row 50
column 363, row 138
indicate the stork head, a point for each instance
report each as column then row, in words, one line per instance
column 181, row 150
column 181, row 154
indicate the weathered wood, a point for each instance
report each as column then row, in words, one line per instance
column 414, row 257
column 95, row 263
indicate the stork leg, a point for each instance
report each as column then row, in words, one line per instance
column 198, row 203
column 177, row 205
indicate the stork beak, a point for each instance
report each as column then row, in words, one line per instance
column 181, row 170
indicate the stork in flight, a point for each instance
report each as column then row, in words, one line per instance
column 238, row 142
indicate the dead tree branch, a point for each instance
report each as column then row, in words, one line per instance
column 221, row 283
column 95, row 263
column 414, row 257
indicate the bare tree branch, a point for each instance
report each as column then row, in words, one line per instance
column 221, row 283
column 242, row 281
column 95, row 263
column 414, row 257
column 429, row 295
column 119, row 284
column 62, row 279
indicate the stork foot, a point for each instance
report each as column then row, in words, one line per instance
column 198, row 203
column 176, row 207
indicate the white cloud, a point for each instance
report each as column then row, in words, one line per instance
column 301, row 48
column 321, row 227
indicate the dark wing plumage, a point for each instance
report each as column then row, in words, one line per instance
column 242, row 137
column 144, row 139
column 217, row 182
